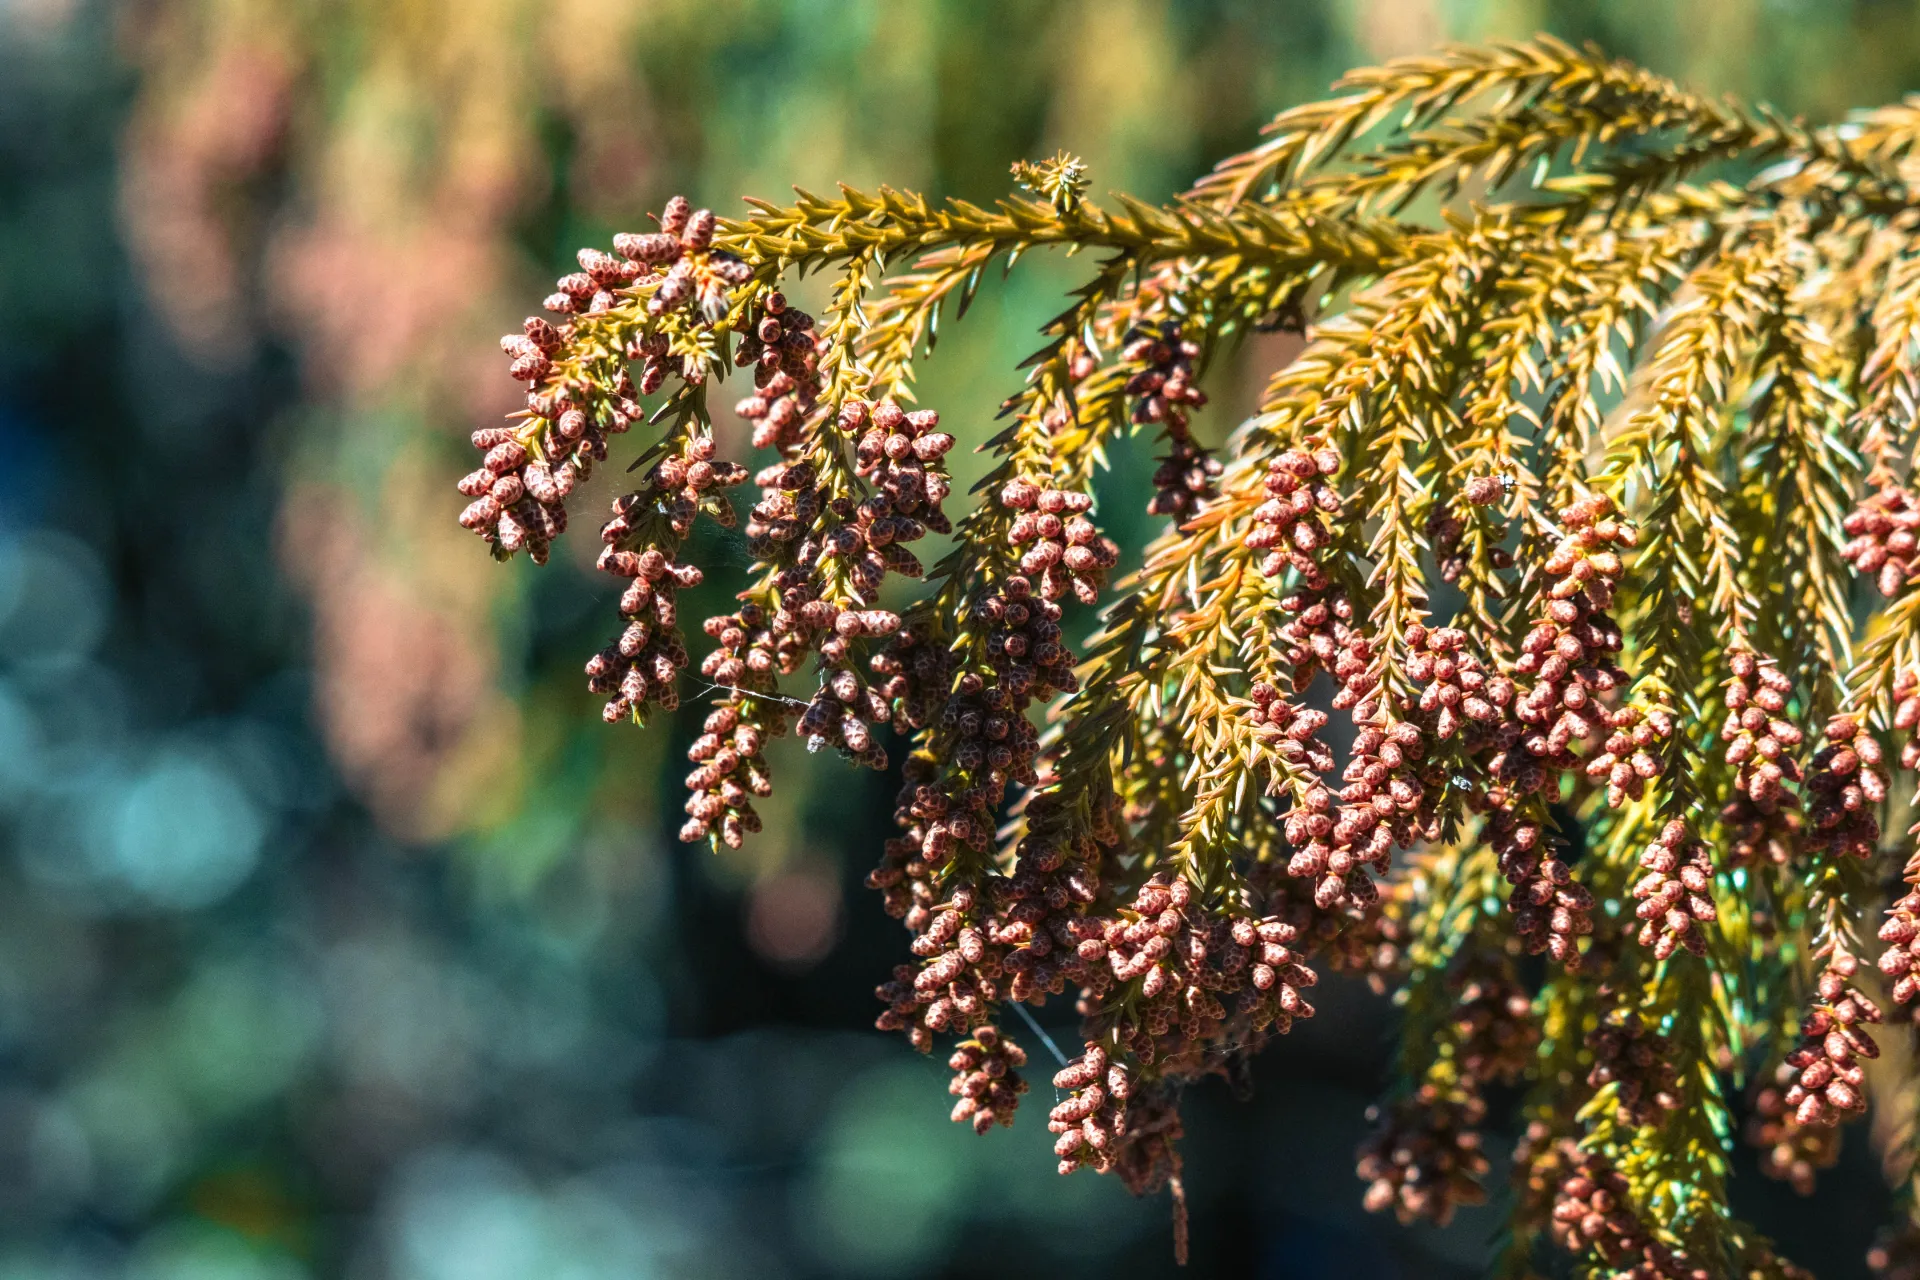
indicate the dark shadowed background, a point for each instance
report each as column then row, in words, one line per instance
column 338, row 937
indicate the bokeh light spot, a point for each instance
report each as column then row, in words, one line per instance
column 53, row 598
column 793, row 917
column 184, row 834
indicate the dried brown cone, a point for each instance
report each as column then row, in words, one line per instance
column 901, row 454
column 1757, row 838
column 914, row 672
column 1291, row 525
column 1492, row 1025
column 1203, row 981
column 1293, row 732
column 691, row 273
column 853, row 544
column 730, row 769
column 1639, row 1063
column 845, row 705
column 1790, row 1152
column 1424, row 1159
column 1383, row 805
column 1014, row 936
column 641, row 668
column 1568, row 655
column 1318, row 626
column 985, row 1079
column 790, row 505
column 903, row 878
column 748, row 655
column 960, row 977
column 1900, row 962
column 1185, row 478
column 1884, row 531
column 1112, row 1124
column 1447, row 527
column 1828, row 1084
column 1162, row 385
column 784, row 352
column 904, row 1012
column 1676, row 893
column 974, row 945
column 1094, row 1115
column 1029, row 659
column 940, row 819
column 1353, row 938
column 1593, row 1214
column 1146, row 1157
column 1445, row 530
column 1906, row 716
column 519, row 493
column 1390, row 787
column 1163, row 392
column 1551, row 910
column 592, row 289
column 1845, row 784
column 1630, row 756
column 690, row 480
column 985, row 731
column 1761, row 745
column 653, row 352
column 830, row 546
column 1543, row 1158
column 1040, row 910
column 1060, row 549
column 1457, row 691
column 1393, row 784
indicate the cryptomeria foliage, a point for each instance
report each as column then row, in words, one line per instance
column 1588, row 497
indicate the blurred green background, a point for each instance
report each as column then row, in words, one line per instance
column 338, row 937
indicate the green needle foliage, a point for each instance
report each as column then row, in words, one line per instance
column 1558, row 601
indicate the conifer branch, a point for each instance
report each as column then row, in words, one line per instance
column 1558, row 478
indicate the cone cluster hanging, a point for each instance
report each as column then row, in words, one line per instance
column 1554, row 475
